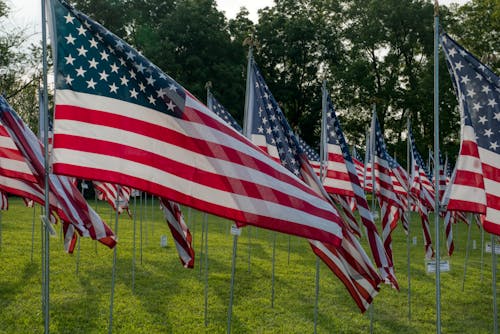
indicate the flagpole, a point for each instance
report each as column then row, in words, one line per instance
column 273, row 269
column 374, row 183
column 134, row 243
column 247, row 128
column 467, row 246
column 140, row 229
column 323, row 159
column 408, row 213
column 494, row 283
column 113, row 275
column 482, row 251
column 205, row 222
column 46, row 220
column 33, row 232
column 436, row 166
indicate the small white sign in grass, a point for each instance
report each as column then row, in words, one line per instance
column 444, row 266
column 163, row 241
column 488, row 248
column 235, row 230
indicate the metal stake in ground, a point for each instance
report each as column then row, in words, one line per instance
column 235, row 232
column 467, row 246
column 316, row 295
column 113, row 275
column 134, row 243
column 494, row 283
column 205, row 222
column 273, row 270
column 33, row 232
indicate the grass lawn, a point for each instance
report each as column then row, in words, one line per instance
column 166, row 298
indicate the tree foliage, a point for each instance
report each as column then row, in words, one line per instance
column 369, row 52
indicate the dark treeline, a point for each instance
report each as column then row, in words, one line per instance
column 369, row 52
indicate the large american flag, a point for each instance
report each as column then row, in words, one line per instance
column 272, row 133
column 120, row 119
column 475, row 185
column 342, row 179
column 22, row 149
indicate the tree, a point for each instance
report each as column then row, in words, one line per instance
column 20, row 70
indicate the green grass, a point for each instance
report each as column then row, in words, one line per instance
column 167, row 298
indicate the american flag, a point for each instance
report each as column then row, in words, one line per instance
column 476, row 182
column 25, row 151
column 422, row 192
column 383, row 165
column 214, row 105
column 180, row 232
column 120, row 119
column 114, row 194
column 343, row 173
column 271, row 131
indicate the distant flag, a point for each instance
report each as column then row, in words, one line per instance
column 475, row 185
column 120, row 119
column 360, row 166
column 180, row 232
column 423, row 193
column 114, row 194
column 383, row 164
column 272, row 133
column 342, row 173
column 222, row 112
column 26, row 149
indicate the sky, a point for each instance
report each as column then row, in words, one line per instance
column 26, row 13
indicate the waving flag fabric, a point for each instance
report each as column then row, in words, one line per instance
column 341, row 165
column 120, row 119
column 475, row 186
column 114, row 194
column 26, row 149
column 4, row 201
column 390, row 204
column 272, row 133
column 180, row 232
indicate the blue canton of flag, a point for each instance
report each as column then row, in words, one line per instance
column 98, row 62
column 312, row 154
column 336, row 136
column 416, row 155
column 223, row 113
column 268, row 121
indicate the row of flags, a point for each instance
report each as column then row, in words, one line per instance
column 124, row 124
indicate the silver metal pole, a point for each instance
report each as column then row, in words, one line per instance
column 316, row 298
column 289, row 247
column 408, row 213
column 482, row 251
column 467, row 246
column 33, row 232
column 140, row 230
column 249, row 247
column 437, row 166
column 46, row 243
column 205, row 222
column 374, row 187
column 113, row 275
column 231, row 289
column 494, row 284
column 202, row 241
column 134, row 237
column 273, row 270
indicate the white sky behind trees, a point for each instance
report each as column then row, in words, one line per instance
column 26, row 14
